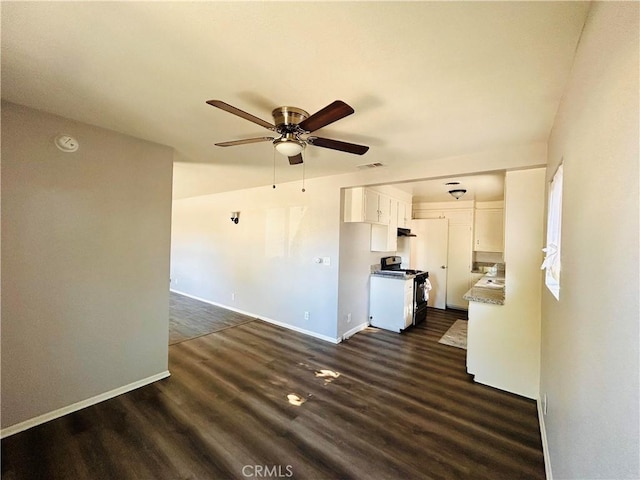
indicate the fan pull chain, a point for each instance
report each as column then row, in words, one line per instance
column 274, row 167
column 303, row 164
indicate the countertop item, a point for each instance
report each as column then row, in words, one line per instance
column 489, row 289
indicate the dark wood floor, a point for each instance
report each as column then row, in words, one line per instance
column 378, row 406
column 190, row 318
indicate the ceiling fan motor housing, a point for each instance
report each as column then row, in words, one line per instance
column 288, row 118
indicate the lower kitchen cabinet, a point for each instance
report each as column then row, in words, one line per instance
column 391, row 303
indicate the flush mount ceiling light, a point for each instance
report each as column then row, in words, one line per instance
column 457, row 193
column 288, row 145
column 455, row 190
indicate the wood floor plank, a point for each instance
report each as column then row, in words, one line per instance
column 381, row 405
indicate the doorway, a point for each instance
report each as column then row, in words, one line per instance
column 429, row 253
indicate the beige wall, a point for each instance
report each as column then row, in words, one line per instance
column 85, row 263
column 590, row 367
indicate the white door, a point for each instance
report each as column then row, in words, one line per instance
column 459, row 265
column 429, row 252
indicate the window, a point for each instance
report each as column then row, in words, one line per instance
column 554, row 223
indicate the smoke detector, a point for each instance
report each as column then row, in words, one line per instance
column 66, row 143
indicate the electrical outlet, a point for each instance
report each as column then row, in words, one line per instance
column 348, row 318
column 306, row 315
column 233, row 297
column 326, row 260
column 545, row 403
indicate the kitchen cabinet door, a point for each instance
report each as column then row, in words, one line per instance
column 371, row 206
column 404, row 214
column 384, row 209
column 384, row 238
column 489, row 230
column 459, row 216
column 429, row 214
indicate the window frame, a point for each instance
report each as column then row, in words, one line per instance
column 552, row 261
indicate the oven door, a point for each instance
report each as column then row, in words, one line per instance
column 420, row 300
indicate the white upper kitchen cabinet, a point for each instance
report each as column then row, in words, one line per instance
column 404, row 214
column 372, row 206
column 384, row 238
column 366, row 205
column 489, row 230
column 458, row 213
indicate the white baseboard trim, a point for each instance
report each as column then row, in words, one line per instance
column 350, row 333
column 60, row 412
column 319, row 336
column 545, row 444
column 311, row 333
column 215, row 303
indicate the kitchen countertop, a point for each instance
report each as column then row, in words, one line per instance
column 484, row 294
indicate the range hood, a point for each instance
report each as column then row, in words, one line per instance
column 405, row 232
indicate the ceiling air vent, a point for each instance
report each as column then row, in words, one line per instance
column 370, row 165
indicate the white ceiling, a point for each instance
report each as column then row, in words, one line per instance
column 427, row 79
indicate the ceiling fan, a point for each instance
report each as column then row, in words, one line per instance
column 293, row 125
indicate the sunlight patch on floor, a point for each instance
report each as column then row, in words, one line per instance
column 328, row 375
column 295, row 399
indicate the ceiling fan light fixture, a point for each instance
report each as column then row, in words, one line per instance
column 289, row 145
column 457, row 193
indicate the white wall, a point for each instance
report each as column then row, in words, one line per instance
column 264, row 265
column 590, row 354
column 85, row 263
column 505, row 351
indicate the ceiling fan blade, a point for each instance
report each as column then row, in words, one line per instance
column 242, row 114
column 337, row 145
column 329, row 114
column 233, row 143
column 296, row 160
